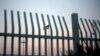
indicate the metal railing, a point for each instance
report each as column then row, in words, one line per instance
column 77, row 29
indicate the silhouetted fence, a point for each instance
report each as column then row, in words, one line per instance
column 87, row 31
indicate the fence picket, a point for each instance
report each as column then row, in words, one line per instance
column 32, row 24
column 19, row 39
column 62, row 35
column 45, row 32
column 67, row 33
column 57, row 41
column 12, row 38
column 26, row 38
column 39, row 32
column 90, row 33
column 5, row 32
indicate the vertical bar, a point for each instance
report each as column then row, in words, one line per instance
column 62, row 35
column 85, row 31
column 81, row 35
column 32, row 24
column 12, row 39
column 75, row 31
column 26, row 38
column 51, row 32
column 56, row 34
column 96, row 29
column 19, row 40
column 67, row 33
column 5, row 37
column 98, row 22
column 94, row 32
column 45, row 34
column 99, row 26
column 39, row 50
column 51, row 46
column 95, row 25
column 66, row 26
column 90, row 35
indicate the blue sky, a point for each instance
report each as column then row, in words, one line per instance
column 89, row 9
column 85, row 8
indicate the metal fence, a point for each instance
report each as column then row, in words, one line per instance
column 87, row 31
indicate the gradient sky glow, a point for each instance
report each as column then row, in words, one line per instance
column 89, row 9
column 85, row 8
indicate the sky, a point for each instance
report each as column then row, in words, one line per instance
column 89, row 9
column 85, row 8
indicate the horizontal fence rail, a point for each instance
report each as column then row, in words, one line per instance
column 85, row 32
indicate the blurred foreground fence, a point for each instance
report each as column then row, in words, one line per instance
column 86, row 33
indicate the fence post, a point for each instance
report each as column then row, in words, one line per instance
column 75, row 31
